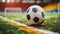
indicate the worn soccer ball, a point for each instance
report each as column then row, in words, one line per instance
column 35, row 15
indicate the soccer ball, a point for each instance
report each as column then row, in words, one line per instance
column 35, row 15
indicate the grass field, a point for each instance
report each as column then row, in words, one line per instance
column 52, row 20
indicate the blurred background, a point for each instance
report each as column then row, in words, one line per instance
column 16, row 10
column 24, row 4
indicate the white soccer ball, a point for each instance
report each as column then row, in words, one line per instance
column 35, row 15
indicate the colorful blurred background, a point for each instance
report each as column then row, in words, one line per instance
column 24, row 4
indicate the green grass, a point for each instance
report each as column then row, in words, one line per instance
column 6, row 28
column 52, row 23
column 20, row 17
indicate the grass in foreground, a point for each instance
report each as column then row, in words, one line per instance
column 52, row 24
column 6, row 28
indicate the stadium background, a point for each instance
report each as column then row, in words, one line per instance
column 24, row 4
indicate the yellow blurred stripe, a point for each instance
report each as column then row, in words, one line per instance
column 50, row 7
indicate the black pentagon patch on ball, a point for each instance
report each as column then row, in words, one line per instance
column 34, row 10
column 36, row 19
column 28, row 17
column 42, row 14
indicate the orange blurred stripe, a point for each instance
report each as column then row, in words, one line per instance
column 50, row 7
